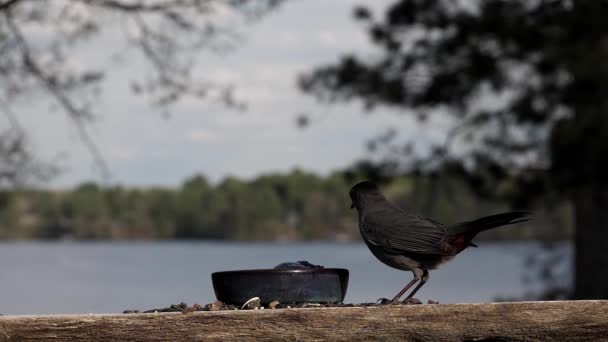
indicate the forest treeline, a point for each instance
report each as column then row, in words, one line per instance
column 294, row 206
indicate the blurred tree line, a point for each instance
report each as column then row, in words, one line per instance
column 293, row 206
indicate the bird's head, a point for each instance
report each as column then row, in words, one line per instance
column 361, row 190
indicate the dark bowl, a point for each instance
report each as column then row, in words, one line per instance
column 315, row 285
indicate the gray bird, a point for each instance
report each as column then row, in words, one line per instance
column 412, row 243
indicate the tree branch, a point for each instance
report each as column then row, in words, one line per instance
column 50, row 84
column 8, row 4
column 140, row 6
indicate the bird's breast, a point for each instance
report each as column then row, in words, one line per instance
column 398, row 261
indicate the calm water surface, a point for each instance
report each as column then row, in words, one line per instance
column 65, row 277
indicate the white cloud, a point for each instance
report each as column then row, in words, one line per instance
column 223, row 75
column 120, row 153
column 201, row 136
column 341, row 40
column 287, row 40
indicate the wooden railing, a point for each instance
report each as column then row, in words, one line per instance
column 523, row 321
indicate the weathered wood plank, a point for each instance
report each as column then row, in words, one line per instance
column 524, row 321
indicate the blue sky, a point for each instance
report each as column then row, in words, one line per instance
column 142, row 148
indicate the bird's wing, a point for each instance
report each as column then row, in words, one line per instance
column 397, row 231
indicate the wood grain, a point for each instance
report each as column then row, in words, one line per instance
column 523, row 321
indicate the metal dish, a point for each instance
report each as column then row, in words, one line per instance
column 309, row 285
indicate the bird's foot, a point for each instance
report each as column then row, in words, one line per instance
column 411, row 301
column 386, row 301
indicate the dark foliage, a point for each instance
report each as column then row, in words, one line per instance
column 521, row 84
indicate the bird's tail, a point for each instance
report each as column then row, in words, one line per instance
column 489, row 222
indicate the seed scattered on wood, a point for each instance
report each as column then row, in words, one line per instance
column 130, row 311
column 253, row 303
column 216, row 306
column 188, row 310
column 412, row 301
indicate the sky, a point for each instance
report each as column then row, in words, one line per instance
column 142, row 148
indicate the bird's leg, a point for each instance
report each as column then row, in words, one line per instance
column 423, row 279
column 407, row 287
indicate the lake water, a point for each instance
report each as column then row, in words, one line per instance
column 69, row 277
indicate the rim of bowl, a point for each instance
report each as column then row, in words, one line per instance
column 282, row 270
